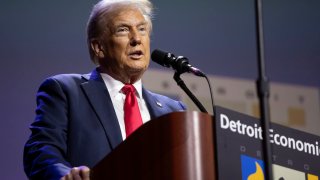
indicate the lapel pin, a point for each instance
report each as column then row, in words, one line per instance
column 159, row 104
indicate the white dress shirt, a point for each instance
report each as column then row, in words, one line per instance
column 117, row 97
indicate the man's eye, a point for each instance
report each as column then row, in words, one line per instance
column 122, row 30
column 142, row 29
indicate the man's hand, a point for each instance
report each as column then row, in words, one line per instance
column 78, row 173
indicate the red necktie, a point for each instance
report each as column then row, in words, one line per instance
column 132, row 116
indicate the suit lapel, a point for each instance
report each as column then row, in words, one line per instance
column 100, row 100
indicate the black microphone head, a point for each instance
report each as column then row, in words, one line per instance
column 180, row 64
column 161, row 57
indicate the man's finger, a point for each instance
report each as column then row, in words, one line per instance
column 85, row 172
column 67, row 177
column 75, row 173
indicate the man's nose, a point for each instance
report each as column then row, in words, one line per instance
column 135, row 38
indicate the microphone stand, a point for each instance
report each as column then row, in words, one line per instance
column 183, row 86
column 263, row 93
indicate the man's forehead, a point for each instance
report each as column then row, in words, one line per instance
column 129, row 23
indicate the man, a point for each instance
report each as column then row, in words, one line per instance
column 80, row 118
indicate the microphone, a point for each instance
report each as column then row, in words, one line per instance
column 180, row 63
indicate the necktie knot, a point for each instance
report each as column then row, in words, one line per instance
column 128, row 88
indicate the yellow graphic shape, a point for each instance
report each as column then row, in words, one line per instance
column 258, row 175
column 312, row 177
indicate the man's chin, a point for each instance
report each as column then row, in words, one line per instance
column 136, row 71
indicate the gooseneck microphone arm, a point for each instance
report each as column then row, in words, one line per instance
column 183, row 86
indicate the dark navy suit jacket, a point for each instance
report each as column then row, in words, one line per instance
column 76, row 124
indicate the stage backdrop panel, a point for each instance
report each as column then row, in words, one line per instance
column 291, row 105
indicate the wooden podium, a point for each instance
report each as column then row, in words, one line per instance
column 177, row 146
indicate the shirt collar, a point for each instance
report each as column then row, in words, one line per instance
column 114, row 86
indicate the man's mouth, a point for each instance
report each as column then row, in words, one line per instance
column 136, row 54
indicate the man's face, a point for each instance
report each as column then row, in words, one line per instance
column 126, row 45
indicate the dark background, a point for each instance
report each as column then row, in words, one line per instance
column 42, row 38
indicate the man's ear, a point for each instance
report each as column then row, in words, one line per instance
column 97, row 48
